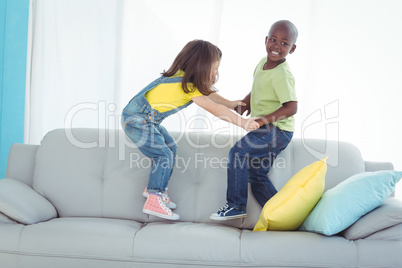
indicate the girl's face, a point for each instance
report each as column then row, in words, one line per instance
column 214, row 71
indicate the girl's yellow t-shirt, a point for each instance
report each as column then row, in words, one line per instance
column 166, row 97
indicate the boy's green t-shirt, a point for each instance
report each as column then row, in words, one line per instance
column 270, row 89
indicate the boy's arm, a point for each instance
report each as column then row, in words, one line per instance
column 215, row 97
column 286, row 110
column 240, row 109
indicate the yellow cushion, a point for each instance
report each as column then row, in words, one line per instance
column 291, row 205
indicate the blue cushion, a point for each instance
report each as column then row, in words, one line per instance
column 344, row 204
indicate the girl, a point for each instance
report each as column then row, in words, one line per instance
column 189, row 79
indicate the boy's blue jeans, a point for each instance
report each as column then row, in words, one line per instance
column 250, row 160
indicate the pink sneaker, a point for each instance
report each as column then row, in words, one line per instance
column 155, row 206
column 165, row 197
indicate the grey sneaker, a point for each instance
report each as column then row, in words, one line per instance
column 227, row 213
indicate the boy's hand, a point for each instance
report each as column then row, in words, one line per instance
column 250, row 124
column 240, row 109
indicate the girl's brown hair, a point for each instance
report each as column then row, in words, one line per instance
column 196, row 59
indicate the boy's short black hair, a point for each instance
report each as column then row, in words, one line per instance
column 291, row 27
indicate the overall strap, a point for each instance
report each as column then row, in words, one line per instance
column 169, row 80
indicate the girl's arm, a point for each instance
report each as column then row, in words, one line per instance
column 215, row 97
column 222, row 112
column 288, row 109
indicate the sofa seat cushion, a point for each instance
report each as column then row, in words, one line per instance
column 80, row 238
column 186, row 242
column 379, row 253
column 10, row 236
column 296, row 249
column 9, row 243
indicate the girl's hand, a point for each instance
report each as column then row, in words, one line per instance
column 236, row 103
column 250, row 124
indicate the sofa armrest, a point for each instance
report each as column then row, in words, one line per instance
column 393, row 233
column 371, row 166
column 5, row 219
column 21, row 203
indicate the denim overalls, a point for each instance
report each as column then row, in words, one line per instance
column 141, row 124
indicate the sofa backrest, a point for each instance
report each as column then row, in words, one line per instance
column 99, row 173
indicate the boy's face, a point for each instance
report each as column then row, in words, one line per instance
column 279, row 43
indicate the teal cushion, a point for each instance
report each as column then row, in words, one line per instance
column 344, row 204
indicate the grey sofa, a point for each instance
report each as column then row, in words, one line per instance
column 76, row 201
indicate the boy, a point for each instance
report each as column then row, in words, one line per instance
column 273, row 101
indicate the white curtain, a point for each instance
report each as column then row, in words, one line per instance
column 87, row 58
